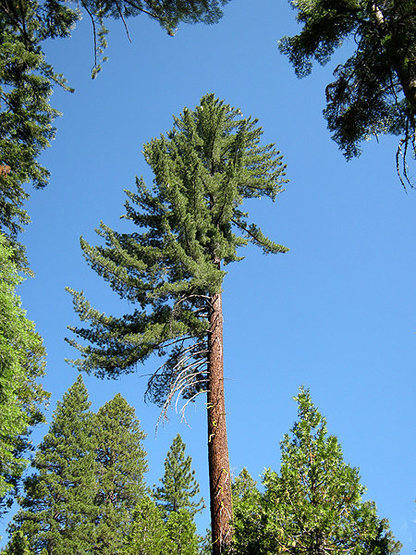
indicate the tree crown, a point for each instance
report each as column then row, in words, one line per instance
column 190, row 223
column 178, row 484
column 314, row 505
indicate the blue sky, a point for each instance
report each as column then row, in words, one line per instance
column 337, row 313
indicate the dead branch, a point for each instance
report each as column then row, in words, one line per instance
column 190, row 400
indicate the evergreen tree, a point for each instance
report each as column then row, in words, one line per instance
column 315, row 505
column 248, row 515
column 58, row 511
column 179, row 485
column 147, row 535
column 150, row 535
column 21, row 364
column 181, row 534
column 374, row 91
column 120, row 466
column 190, row 225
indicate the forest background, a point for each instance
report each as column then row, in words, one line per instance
column 336, row 313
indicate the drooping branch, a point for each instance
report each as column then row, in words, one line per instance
column 182, row 374
column 409, row 139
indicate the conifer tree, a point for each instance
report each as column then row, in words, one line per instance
column 147, row 535
column 58, row 509
column 179, row 485
column 190, row 224
column 120, row 467
column 26, row 117
column 182, row 538
column 22, row 362
column 150, row 535
column 18, row 545
column 314, row 506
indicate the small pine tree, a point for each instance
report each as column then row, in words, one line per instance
column 57, row 511
column 147, row 534
column 315, row 505
column 248, row 521
column 181, row 534
column 120, row 464
column 179, row 485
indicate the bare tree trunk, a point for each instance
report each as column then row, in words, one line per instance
column 218, row 462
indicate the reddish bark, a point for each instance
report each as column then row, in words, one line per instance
column 218, row 461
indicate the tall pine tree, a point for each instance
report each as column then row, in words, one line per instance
column 58, row 508
column 120, row 467
column 179, row 485
column 314, row 506
column 190, row 224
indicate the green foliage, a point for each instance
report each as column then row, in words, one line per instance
column 18, row 545
column 249, row 516
column 121, row 465
column 187, row 225
column 26, row 117
column 150, row 535
column 167, row 527
column 147, row 534
column 314, row 505
column 21, row 364
column 89, row 479
column 168, row 13
column 179, row 485
column 181, row 534
column 374, row 91
column 58, row 508
column 27, row 81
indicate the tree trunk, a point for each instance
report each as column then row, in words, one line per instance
column 218, row 462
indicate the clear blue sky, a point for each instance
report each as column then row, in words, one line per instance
column 337, row 313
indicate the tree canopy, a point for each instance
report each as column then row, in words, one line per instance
column 374, row 91
column 88, row 480
column 26, row 117
column 151, row 535
column 188, row 224
column 121, row 464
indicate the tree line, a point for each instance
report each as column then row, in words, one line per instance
column 87, row 494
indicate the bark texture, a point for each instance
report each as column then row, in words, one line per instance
column 218, row 461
